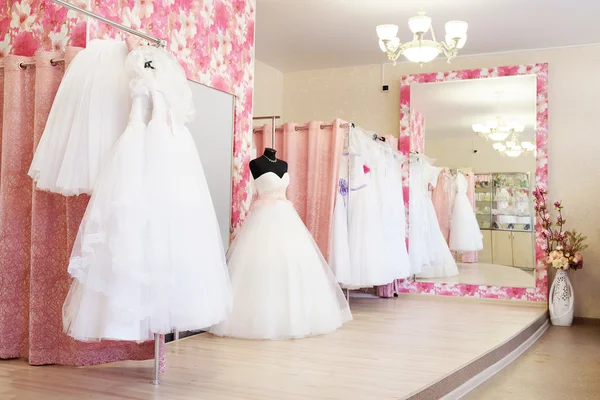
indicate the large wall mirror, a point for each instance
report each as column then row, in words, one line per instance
column 212, row 130
column 491, row 126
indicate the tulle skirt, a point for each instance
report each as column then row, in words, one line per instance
column 148, row 257
column 440, row 261
column 90, row 111
column 282, row 285
column 465, row 234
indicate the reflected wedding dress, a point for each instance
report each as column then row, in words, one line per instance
column 282, row 285
column 429, row 254
column 148, row 257
column 465, row 234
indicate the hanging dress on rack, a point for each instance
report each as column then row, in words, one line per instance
column 89, row 113
column 371, row 210
column 429, row 253
column 339, row 252
column 465, row 234
column 148, row 257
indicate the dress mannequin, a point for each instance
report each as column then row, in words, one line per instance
column 268, row 163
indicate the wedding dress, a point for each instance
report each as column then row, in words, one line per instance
column 465, row 234
column 89, row 113
column 282, row 285
column 429, row 254
column 148, row 257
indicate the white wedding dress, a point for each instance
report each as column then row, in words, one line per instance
column 429, row 254
column 282, row 285
column 148, row 257
column 89, row 113
column 465, row 234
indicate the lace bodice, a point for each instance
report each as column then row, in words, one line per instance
column 270, row 186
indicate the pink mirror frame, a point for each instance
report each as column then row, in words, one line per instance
column 410, row 140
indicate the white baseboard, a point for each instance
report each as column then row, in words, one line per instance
column 492, row 370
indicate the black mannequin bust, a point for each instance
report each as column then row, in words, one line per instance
column 268, row 162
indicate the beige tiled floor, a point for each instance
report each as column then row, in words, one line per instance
column 563, row 365
column 490, row 274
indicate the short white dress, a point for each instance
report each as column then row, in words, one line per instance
column 89, row 113
column 148, row 257
column 282, row 285
column 465, row 234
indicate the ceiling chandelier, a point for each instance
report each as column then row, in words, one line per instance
column 513, row 147
column 422, row 50
column 498, row 130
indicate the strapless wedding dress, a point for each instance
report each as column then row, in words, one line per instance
column 282, row 285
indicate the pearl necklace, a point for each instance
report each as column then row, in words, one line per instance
column 273, row 161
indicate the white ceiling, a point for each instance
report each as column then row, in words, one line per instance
column 451, row 108
column 294, row 35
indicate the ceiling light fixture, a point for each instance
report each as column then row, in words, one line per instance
column 513, row 147
column 497, row 130
column 422, row 50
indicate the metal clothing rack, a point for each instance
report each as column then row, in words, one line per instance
column 272, row 118
column 158, row 42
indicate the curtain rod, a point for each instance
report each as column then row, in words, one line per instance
column 158, row 42
column 24, row 65
column 305, row 127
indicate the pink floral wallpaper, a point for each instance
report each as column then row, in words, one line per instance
column 212, row 39
column 540, row 292
column 30, row 25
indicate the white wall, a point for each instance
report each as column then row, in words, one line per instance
column 268, row 90
column 354, row 94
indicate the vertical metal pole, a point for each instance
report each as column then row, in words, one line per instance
column 176, row 335
column 155, row 380
column 348, row 296
column 273, row 133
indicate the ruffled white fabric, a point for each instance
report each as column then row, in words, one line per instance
column 429, row 254
column 375, row 220
column 89, row 113
column 148, row 257
column 282, row 285
column 465, row 234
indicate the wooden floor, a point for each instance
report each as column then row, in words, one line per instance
column 393, row 348
column 563, row 365
column 489, row 275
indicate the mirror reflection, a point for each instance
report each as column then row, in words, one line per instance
column 479, row 137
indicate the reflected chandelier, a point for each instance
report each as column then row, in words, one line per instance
column 513, row 147
column 498, row 130
column 422, row 50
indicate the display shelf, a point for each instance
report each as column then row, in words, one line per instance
column 503, row 201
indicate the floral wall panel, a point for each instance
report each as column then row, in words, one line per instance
column 214, row 42
column 30, row 25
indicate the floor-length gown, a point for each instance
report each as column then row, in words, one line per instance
column 282, row 285
column 465, row 234
column 148, row 257
column 428, row 251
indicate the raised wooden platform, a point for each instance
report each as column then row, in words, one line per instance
column 408, row 347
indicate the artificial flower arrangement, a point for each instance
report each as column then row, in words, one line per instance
column 563, row 247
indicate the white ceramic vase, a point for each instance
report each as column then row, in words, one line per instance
column 561, row 300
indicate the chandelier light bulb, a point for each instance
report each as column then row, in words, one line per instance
column 419, row 24
column 528, row 146
column 498, row 136
column 499, row 146
column 510, row 144
column 422, row 52
column 387, row 32
column 456, row 29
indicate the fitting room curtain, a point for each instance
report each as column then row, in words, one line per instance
column 313, row 156
column 37, row 231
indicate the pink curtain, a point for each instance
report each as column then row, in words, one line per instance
column 442, row 197
column 470, row 257
column 313, row 156
column 37, row 230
